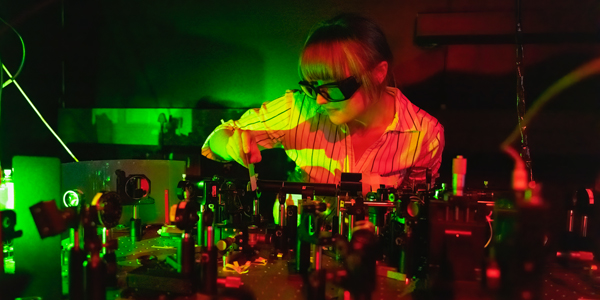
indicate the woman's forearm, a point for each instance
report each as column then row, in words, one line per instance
column 218, row 143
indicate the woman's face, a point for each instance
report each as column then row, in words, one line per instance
column 344, row 111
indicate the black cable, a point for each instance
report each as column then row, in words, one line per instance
column 22, row 58
column 12, row 79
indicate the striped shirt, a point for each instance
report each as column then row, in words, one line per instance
column 323, row 151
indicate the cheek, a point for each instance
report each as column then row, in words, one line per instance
column 348, row 110
column 346, row 113
column 354, row 107
column 338, row 117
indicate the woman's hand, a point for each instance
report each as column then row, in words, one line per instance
column 242, row 147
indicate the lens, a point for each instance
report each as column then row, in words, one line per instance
column 308, row 90
column 348, row 87
column 333, row 94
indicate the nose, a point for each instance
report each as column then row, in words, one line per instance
column 321, row 100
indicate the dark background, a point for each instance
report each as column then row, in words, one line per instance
column 237, row 54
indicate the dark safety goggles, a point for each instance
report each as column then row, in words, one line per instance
column 333, row 91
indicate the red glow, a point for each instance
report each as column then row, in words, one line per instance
column 346, row 295
column 458, row 232
column 144, row 185
column 493, row 273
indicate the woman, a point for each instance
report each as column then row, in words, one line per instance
column 344, row 119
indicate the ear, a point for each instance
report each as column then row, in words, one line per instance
column 380, row 71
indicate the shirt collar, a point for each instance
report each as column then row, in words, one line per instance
column 405, row 118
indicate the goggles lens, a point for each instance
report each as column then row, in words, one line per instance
column 333, row 92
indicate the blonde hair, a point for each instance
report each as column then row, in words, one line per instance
column 346, row 44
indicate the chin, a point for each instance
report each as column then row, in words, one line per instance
column 338, row 120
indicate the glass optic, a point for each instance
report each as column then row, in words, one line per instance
column 333, row 92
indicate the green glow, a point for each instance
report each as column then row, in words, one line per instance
column 9, row 263
column 137, row 126
column 400, row 220
column 36, row 179
column 7, row 192
column 323, row 163
column 71, row 199
column 454, row 183
column 528, row 194
column 69, row 242
column 10, row 190
column 392, row 197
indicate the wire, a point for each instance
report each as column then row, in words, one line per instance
column 489, row 220
column 586, row 70
column 39, row 115
column 12, row 78
column 4, row 84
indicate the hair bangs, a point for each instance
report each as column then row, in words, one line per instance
column 330, row 61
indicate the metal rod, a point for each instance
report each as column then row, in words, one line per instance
column 105, row 239
column 210, row 237
column 167, row 207
column 341, row 216
column 321, row 189
column 521, row 106
column 379, row 204
column 76, row 243
column 282, row 216
column 456, row 213
column 570, row 220
column 256, row 208
column 1, row 249
column 350, row 226
column 318, row 257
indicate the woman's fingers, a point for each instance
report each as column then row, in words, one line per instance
column 242, row 147
column 250, row 147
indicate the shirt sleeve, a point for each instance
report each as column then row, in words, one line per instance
column 430, row 154
column 269, row 124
